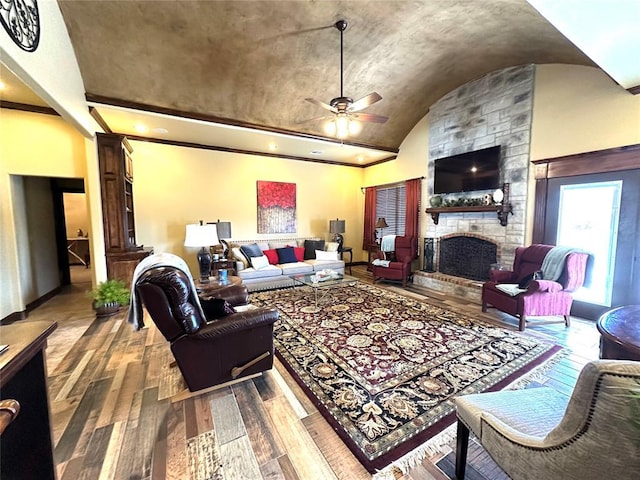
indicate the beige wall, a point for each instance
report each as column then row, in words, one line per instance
column 30, row 145
column 580, row 109
column 174, row 186
column 76, row 215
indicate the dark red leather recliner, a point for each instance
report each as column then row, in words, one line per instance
column 399, row 270
column 208, row 351
column 542, row 297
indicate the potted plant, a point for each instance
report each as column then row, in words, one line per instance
column 109, row 296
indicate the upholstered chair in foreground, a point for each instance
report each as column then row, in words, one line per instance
column 538, row 433
column 542, row 297
column 399, row 269
column 219, row 348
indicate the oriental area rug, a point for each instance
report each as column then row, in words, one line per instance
column 382, row 368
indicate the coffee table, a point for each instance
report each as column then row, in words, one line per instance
column 323, row 286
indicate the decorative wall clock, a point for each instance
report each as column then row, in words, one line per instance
column 21, row 20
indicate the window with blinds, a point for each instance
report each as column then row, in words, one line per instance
column 391, row 205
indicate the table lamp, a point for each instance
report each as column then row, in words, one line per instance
column 203, row 236
column 380, row 223
column 337, row 227
column 224, row 231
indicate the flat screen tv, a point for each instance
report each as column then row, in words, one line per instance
column 467, row 172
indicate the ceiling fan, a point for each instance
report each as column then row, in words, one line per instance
column 344, row 109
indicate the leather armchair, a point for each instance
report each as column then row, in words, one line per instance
column 542, row 297
column 539, row 433
column 208, row 351
column 400, row 268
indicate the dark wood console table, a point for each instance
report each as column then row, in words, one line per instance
column 26, row 450
column 620, row 333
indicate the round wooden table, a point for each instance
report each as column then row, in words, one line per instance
column 620, row 333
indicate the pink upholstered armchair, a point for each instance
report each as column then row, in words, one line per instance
column 542, row 297
column 399, row 270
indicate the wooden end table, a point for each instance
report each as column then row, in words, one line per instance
column 620, row 333
column 214, row 285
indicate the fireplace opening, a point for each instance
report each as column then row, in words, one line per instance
column 467, row 257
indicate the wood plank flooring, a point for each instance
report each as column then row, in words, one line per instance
column 110, row 392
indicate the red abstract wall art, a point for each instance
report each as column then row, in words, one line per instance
column 276, row 207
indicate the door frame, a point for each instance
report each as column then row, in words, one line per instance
column 598, row 162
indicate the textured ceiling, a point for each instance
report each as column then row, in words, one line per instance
column 256, row 61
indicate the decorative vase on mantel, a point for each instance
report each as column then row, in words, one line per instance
column 435, row 201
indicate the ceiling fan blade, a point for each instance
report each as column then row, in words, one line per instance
column 326, row 106
column 364, row 102
column 369, row 117
column 324, row 117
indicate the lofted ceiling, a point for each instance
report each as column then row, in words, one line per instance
column 253, row 63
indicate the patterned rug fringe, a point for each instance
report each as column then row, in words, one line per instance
column 538, row 374
column 433, row 446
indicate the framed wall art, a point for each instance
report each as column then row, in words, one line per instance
column 276, row 207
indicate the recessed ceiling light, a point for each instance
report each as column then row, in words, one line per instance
column 360, row 158
column 316, row 152
column 140, row 128
column 159, row 130
column 273, row 147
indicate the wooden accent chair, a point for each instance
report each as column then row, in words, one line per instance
column 542, row 297
column 218, row 349
column 539, row 433
column 399, row 269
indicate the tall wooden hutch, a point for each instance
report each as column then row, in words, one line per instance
column 116, row 184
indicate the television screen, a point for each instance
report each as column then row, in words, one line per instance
column 467, row 172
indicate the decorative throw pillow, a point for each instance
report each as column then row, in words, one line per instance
column 238, row 256
column 252, row 250
column 310, row 247
column 332, row 247
column 322, row 255
column 272, row 256
column 259, row 262
column 216, row 308
column 299, row 253
column 286, row 255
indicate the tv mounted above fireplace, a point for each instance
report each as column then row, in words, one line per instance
column 468, row 172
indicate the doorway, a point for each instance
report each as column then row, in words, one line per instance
column 599, row 213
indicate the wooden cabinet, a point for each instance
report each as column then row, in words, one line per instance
column 118, row 214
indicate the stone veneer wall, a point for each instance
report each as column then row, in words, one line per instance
column 493, row 110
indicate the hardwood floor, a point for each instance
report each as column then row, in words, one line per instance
column 111, row 392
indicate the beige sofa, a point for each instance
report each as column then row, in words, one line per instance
column 277, row 275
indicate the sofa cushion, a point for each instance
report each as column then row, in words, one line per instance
column 310, row 247
column 268, row 271
column 322, row 255
column 319, row 265
column 286, row 255
column 332, row 246
column 272, row 255
column 296, row 268
column 299, row 252
column 276, row 245
column 252, row 250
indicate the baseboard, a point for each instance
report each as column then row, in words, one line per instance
column 45, row 298
column 14, row 317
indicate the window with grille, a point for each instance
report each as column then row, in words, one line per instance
column 391, row 205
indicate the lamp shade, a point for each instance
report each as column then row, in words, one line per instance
column 336, row 226
column 201, row 235
column 224, row 229
column 381, row 223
